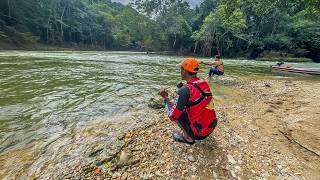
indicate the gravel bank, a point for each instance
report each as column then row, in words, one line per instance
column 268, row 130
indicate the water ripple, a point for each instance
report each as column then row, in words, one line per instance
column 44, row 93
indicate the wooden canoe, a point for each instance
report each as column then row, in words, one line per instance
column 309, row 71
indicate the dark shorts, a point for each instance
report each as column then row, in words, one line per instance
column 185, row 124
column 215, row 71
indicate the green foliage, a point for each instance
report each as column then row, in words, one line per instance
column 285, row 59
column 228, row 27
column 220, row 27
column 282, row 56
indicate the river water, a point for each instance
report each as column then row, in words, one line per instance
column 44, row 94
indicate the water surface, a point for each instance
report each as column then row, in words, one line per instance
column 45, row 94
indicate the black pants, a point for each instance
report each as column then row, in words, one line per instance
column 185, row 124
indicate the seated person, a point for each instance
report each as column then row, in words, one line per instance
column 218, row 67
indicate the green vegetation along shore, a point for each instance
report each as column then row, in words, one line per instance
column 285, row 59
column 244, row 28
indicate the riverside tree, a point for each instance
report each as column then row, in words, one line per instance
column 249, row 28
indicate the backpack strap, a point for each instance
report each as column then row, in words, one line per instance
column 203, row 95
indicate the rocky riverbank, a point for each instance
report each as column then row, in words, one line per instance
column 268, row 129
column 268, row 132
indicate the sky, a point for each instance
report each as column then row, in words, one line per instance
column 192, row 3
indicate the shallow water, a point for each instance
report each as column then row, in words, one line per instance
column 45, row 94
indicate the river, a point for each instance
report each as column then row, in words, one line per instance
column 43, row 95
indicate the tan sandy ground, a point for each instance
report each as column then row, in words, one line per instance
column 268, row 129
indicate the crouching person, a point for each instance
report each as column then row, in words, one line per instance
column 193, row 109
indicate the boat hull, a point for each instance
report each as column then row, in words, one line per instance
column 297, row 70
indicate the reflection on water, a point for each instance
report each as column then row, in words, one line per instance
column 44, row 94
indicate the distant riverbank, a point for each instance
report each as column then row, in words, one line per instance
column 38, row 47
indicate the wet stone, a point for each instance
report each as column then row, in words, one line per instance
column 156, row 103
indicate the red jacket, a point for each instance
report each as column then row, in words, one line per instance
column 198, row 105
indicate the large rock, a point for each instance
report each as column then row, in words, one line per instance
column 156, row 103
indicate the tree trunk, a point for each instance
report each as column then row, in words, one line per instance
column 9, row 13
column 48, row 25
column 55, row 37
column 207, row 49
column 175, row 40
column 91, row 39
column 61, row 23
column 218, row 49
column 104, row 42
column 9, row 10
column 207, row 46
column 195, row 47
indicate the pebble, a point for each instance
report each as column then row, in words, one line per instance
column 233, row 174
column 215, row 175
column 124, row 157
column 231, row 159
column 193, row 168
column 115, row 175
column 238, row 168
column 191, row 158
column 158, row 173
column 270, row 110
column 124, row 176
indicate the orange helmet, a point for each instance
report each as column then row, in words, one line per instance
column 190, row 64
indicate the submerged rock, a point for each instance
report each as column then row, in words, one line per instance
column 156, row 103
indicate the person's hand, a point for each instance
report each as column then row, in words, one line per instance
column 201, row 62
column 180, row 84
column 164, row 93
